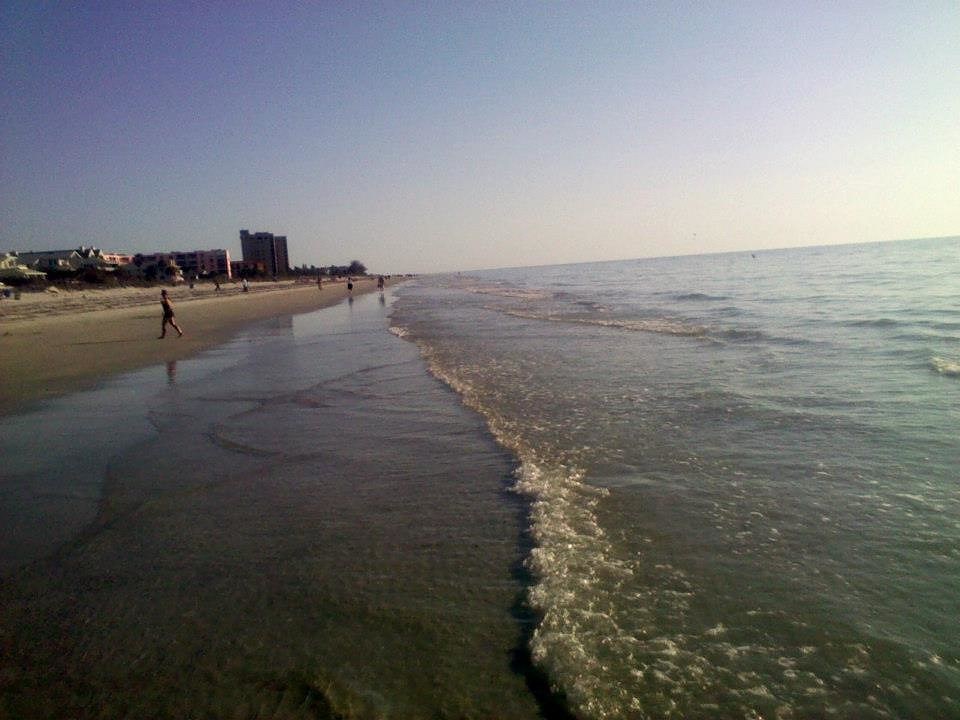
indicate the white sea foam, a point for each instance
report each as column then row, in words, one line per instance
column 515, row 293
column 661, row 326
column 950, row 368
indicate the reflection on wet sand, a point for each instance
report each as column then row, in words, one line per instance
column 314, row 526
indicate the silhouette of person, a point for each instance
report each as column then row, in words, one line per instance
column 168, row 317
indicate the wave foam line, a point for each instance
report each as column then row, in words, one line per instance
column 514, row 293
column 574, row 565
column 659, row 326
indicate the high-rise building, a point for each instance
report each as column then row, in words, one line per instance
column 267, row 248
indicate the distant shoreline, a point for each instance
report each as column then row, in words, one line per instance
column 56, row 343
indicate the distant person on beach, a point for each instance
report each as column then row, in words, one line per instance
column 319, row 283
column 349, row 285
column 168, row 318
column 380, row 283
column 245, row 285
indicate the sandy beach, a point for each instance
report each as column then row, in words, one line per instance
column 52, row 343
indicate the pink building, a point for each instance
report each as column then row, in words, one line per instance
column 195, row 262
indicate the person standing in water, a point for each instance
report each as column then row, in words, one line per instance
column 350, row 285
column 380, row 283
column 168, row 317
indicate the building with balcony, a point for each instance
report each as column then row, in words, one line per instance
column 203, row 262
column 191, row 263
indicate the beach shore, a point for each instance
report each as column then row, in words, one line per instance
column 53, row 343
column 299, row 523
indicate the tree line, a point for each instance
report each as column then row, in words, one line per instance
column 354, row 268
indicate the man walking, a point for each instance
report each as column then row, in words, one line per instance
column 168, row 317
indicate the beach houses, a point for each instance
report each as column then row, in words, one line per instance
column 69, row 261
column 11, row 268
column 48, row 261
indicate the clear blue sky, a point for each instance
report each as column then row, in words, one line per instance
column 441, row 136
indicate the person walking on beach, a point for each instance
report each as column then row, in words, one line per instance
column 380, row 283
column 350, row 285
column 168, row 317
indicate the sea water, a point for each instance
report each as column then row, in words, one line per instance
column 744, row 472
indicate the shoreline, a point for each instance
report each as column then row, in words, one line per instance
column 305, row 519
column 60, row 343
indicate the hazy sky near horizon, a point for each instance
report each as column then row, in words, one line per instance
column 430, row 136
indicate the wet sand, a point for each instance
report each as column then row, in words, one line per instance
column 299, row 523
column 53, row 343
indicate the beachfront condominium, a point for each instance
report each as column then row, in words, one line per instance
column 195, row 262
column 267, row 248
column 192, row 263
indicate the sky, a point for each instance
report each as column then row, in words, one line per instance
column 423, row 137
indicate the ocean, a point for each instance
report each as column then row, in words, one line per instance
column 721, row 486
column 743, row 471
